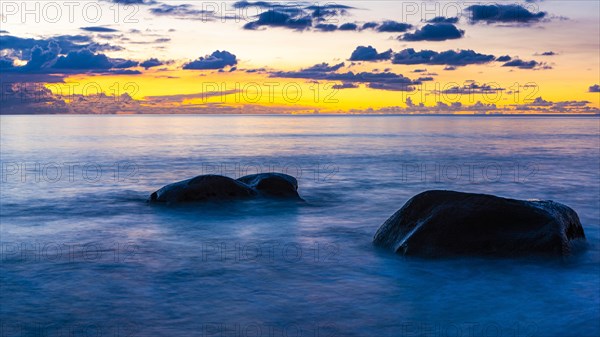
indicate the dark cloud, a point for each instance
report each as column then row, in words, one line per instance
column 473, row 88
column 326, row 27
column 119, row 72
column 259, row 4
column 324, row 67
column 52, row 60
column 134, row 2
column 277, row 18
column 521, row 64
column 179, row 11
column 503, row 13
column 370, row 25
column 442, row 19
column 450, row 57
column 297, row 16
column 98, row 29
column 362, row 53
column 216, row 60
column 83, row 60
column 504, row 58
column 393, row 27
column 548, row 53
column 42, row 58
column 6, row 63
column 435, row 32
column 594, row 88
column 153, row 62
column 348, row 26
column 22, row 47
column 540, row 105
column 425, row 79
column 345, row 86
column 3, row 31
column 450, row 68
column 323, row 71
column 122, row 64
column 328, row 10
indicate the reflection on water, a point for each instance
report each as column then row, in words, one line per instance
column 84, row 254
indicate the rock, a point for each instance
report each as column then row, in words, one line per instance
column 276, row 185
column 203, row 188
column 216, row 187
column 443, row 223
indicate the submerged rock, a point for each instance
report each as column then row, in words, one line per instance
column 216, row 187
column 442, row 223
column 273, row 184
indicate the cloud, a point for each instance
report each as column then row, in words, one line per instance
column 348, row 26
column 594, row 88
column 277, row 18
column 119, row 72
column 326, row 27
column 362, row 53
column 393, row 27
column 450, row 57
column 504, row 58
column 326, row 72
column 153, row 62
column 345, row 86
column 67, row 43
column 52, row 60
column 328, row 10
column 179, row 11
column 450, row 68
column 370, row 25
column 517, row 63
column 548, row 53
column 122, row 63
column 324, row 67
column 83, row 59
column 503, row 13
column 6, row 63
column 216, row 60
column 471, row 88
column 259, row 4
column 540, row 105
column 435, row 32
column 442, row 19
column 42, row 58
column 98, row 29
column 134, row 2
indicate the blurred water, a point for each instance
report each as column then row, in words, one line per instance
column 84, row 255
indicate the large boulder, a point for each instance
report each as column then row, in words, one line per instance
column 216, row 187
column 443, row 223
column 276, row 185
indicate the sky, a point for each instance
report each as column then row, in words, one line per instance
column 152, row 56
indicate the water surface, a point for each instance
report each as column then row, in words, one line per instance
column 84, row 255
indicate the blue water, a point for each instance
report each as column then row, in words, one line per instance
column 84, row 255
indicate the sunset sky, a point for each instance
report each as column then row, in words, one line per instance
column 300, row 57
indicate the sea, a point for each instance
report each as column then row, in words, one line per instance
column 82, row 253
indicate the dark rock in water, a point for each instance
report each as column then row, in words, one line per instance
column 203, row 188
column 216, row 187
column 442, row 223
column 273, row 184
